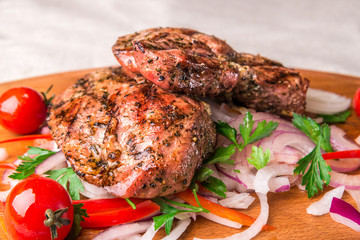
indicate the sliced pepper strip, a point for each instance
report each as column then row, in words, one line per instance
column 342, row 154
column 108, row 216
column 27, row 137
column 8, row 166
column 219, row 210
column 108, row 204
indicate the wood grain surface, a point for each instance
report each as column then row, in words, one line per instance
column 287, row 210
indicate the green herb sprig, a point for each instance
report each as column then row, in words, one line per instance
column 28, row 165
column 169, row 212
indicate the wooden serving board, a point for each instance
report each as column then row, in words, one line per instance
column 287, row 210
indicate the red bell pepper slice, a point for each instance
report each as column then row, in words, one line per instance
column 342, row 154
column 219, row 210
column 27, row 137
column 109, row 212
column 8, row 166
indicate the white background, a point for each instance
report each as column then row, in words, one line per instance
column 48, row 36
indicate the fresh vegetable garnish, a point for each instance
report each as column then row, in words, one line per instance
column 317, row 174
column 222, row 155
column 22, row 110
column 8, row 166
column 109, row 212
column 47, row 99
column 218, row 210
column 342, row 154
column 314, row 131
column 169, row 212
column 27, row 137
column 28, row 165
column 68, row 179
column 79, row 216
column 344, row 213
column 249, row 135
column 258, row 157
column 38, row 208
column 336, row 118
column 356, row 102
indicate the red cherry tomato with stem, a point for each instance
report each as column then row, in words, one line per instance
column 38, row 207
column 22, row 110
column 356, row 102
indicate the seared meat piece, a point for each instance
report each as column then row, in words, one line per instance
column 184, row 60
column 130, row 136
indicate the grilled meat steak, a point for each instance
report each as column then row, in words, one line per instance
column 184, row 60
column 130, row 136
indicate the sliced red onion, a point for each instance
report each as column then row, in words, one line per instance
column 237, row 200
column 342, row 212
column 45, row 130
column 55, row 161
column 323, row 102
column 266, row 173
column 220, row 220
column 94, row 192
column 178, row 229
column 279, row 184
column 123, row 231
column 150, row 232
column 3, row 154
column 340, row 142
column 256, row 227
column 322, row 206
column 351, row 182
column 355, row 194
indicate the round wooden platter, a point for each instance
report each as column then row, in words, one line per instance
column 287, row 210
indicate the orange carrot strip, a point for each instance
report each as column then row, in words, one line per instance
column 219, row 210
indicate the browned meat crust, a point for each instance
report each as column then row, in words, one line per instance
column 130, row 136
column 184, row 60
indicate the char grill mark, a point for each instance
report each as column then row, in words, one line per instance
column 186, row 61
column 130, row 136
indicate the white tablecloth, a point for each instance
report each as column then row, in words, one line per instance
column 47, row 36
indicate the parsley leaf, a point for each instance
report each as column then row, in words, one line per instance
column 249, row 135
column 337, row 118
column 314, row 131
column 169, row 212
column 222, row 155
column 28, row 165
column 227, row 131
column 79, row 214
column 317, row 173
column 65, row 175
column 258, row 157
column 215, row 185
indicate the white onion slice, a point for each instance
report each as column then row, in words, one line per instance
column 123, row 231
column 220, row 220
column 178, row 229
column 3, row 154
column 55, row 161
column 237, row 200
column 322, row 206
column 357, row 140
column 94, row 192
column 264, row 174
column 323, row 102
column 279, row 184
column 256, row 227
column 351, row 182
column 150, row 233
column 342, row 212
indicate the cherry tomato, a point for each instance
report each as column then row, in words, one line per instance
column 356, row 102
column 27, row 204
column 22, row 110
